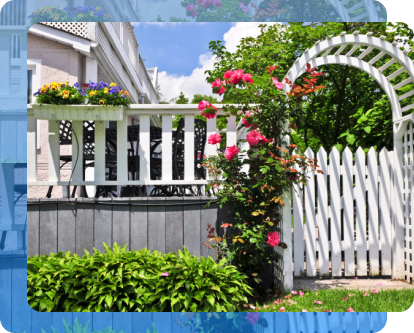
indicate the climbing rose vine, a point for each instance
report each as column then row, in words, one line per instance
column 252, row 182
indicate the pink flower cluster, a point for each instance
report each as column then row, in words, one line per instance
column 254, row 137
column 244, row 8
column 279, row 85
column 191, row 10
column 273, row 238
column 207, row 109
column 218, row 87
column 214, row 139
column 235, row 76
column 246, row 121
column 231, row 152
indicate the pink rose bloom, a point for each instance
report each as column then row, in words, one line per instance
column 214, row 138
column 244, row 7
column 203, row 105
column 217, row 83
column 190, row 7
column 165, row 274
column 210, row 112
column 247, row 77
column 206, row 3
column 294, row 292
column 231, row 152
column 237, row 76
column 263, row 139
column 279, row 85
column 246, row 122
column 252, row 317
column 317, row 302
column 253, row 138
column 221, row 90
column 273, row 238
column 217, row 3
column 227, row 75
column 350, row 310
column 194, row 13
column 301, row 293
column 374, row 291
column 282, row 309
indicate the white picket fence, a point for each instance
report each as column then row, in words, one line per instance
column 342, row 222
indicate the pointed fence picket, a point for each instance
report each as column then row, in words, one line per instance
column 342, row 221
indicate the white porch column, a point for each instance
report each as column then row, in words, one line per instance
column 5, row 45
column 91, row 75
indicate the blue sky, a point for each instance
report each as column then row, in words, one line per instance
column 175, row 48
column 180, row 51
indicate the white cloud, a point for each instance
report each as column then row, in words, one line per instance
column 195, row 83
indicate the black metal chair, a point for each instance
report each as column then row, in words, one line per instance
column 133, row 161
column 178, row 149
column 65, row 138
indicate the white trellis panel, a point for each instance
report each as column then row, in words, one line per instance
column 360, row 205
column 323, row 214
column 348, row 212
column 310, row 223
column 408, row 166
column 372, row 189
column 334, row 185
column 299, row 250
column 384, row 199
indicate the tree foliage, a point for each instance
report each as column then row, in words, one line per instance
column 352, row 110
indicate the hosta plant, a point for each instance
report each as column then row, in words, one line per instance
column 127, row 281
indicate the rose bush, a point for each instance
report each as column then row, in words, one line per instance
column 256, row 196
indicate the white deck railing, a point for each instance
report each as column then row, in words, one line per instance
column 143, row 112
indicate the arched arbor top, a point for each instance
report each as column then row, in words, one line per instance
column 396, row 76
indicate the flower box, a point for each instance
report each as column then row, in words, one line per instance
column 78, row 112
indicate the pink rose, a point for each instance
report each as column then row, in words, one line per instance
column 246, row 123
column 206, row 3
column 194, row 13
column 236, row 76
column 217, row 3
column 247, row 77
column 350, row 310
column 273, row 238
column 231, row 152
column 263, row 139
column 301, row 293
column 210, row 112
column 221, row 90
column 244, row 7
column 203, row 105
column 227, row 75
column 253, row 138
column 279, row 85
column 282, row 309
column 252, row 317
column 294, row 292
column 214, row 138
column 190, row 7
column 165, row 274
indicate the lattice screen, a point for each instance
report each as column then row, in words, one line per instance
column 408, row 166
column 76, row 28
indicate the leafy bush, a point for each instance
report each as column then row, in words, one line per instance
column 133, row 281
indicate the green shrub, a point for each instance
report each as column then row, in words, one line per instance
column 125, row 281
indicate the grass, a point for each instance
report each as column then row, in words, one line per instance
column 390, row 300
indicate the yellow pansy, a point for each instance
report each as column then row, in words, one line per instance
column 113, row 84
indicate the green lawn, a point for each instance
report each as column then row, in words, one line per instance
column 385, row 301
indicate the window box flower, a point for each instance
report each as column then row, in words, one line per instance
column 60, row 101
column 78, row 112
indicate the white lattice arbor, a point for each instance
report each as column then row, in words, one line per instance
column 395, row 75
